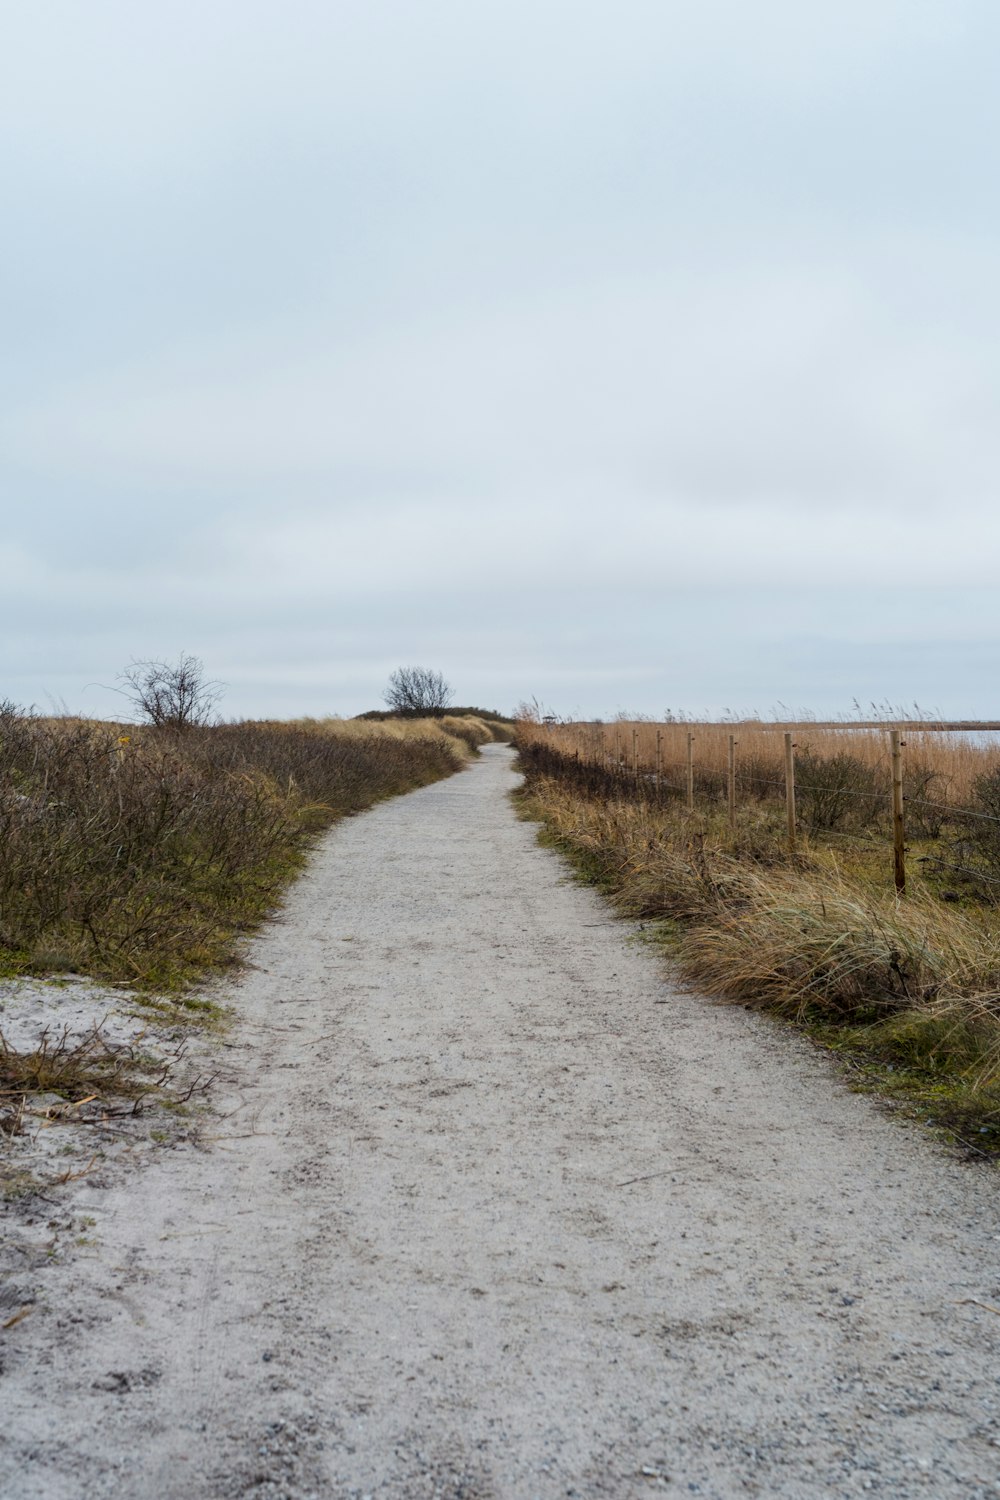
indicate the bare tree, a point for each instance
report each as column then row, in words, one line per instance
column 416, row 688
column 171, row 695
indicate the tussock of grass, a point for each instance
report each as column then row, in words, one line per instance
column 87, row 1070
column 143, row 854
column 792, row 939
column 908, row 990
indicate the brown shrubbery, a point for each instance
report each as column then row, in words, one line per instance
column 140, row 853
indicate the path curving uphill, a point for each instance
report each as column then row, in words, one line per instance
column 496, row 1212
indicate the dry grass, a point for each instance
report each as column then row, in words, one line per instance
column 75, row 1080
column 460, row 735
column 89, row 1080
column 795, row 939
column 940, row 761
column 456, row 741
column 909, row 990
column 88, row 1070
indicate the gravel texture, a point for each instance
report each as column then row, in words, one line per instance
column 489, row 1209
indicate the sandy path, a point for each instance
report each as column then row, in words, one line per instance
column 502, row 1214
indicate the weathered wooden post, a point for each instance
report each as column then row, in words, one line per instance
column 635, row 753
column 690, row 772
column 790, row 789
column 898, row 824
column 732, row 781
column 659, row 757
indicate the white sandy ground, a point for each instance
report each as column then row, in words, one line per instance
column 492, row 1209
column 50, row 1138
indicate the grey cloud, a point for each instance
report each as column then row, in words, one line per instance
column 530, row 338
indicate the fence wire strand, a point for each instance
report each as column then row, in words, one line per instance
column 932, row 859
column 803, row 789
column 956, row 812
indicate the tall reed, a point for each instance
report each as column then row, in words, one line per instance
column 941, row 761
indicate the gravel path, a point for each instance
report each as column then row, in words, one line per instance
column 496, row 1211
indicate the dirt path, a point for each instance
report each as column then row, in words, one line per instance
column 497, row 1212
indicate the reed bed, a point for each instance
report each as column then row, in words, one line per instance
column 944, row 761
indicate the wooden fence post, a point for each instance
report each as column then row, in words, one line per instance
column 690, row 772
column 790, row 790
column 659, row 756
column 898, row 825
column 635, row 753
column 732, row 781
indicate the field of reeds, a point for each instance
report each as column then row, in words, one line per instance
column 906, row 987
column 142, row 854
column 939, row 763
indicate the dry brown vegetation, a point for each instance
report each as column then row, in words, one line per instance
column 83, row 1079
column 142, row 854
column 909, row 988
column 946, row 763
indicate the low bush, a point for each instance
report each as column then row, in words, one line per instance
column 981, row 828
column 142, row 854
column 838, row 791
column 491, row 715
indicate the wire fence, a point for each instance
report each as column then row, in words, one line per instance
column 814, row 804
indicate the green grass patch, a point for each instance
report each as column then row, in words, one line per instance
column 927, row 1068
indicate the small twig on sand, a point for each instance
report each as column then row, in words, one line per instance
column 648, row 1177
column 16, row 1318
column 72, row 1176
column 975, row 1302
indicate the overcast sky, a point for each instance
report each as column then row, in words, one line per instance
column 633, row 355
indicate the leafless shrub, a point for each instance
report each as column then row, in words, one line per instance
column 171, row 695
column 417, row 689
column 838, row 791
column 141, row 855
column 981, row 823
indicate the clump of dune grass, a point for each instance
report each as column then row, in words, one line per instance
column 457, row 740
column 797, row 940
column 83, row 1077
column 468, row 728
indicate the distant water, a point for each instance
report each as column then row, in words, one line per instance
column 983, row 739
